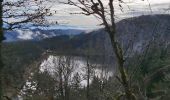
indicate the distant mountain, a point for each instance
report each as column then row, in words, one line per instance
column 135, row 33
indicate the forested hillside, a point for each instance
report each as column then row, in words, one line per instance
column 146, row 41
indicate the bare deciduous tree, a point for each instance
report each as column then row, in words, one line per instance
column 17, row 13
column 64, row 69
column 14, row 13
column 106, row 14
column 88, row 77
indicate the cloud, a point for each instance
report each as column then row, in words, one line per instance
column 130, row 9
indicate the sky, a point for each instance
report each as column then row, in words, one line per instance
column 131, row 9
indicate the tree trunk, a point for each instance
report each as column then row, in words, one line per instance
column 67, row 92
column 120, row 61
column 1, row 39
column 88, row 79
column 61, row 85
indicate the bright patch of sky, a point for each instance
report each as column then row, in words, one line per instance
column 130, row 9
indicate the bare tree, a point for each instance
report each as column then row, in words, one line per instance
column 89, row 68
column 106, row 15
column 88, row 76
column 64, row 70
column 14, row 13
column 17, row 13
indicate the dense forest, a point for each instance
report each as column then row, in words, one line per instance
column 128, row 59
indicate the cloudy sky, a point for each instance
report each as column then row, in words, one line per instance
column 136, row 8
column 131, row 8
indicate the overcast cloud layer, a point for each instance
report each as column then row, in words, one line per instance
column 136, row 8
